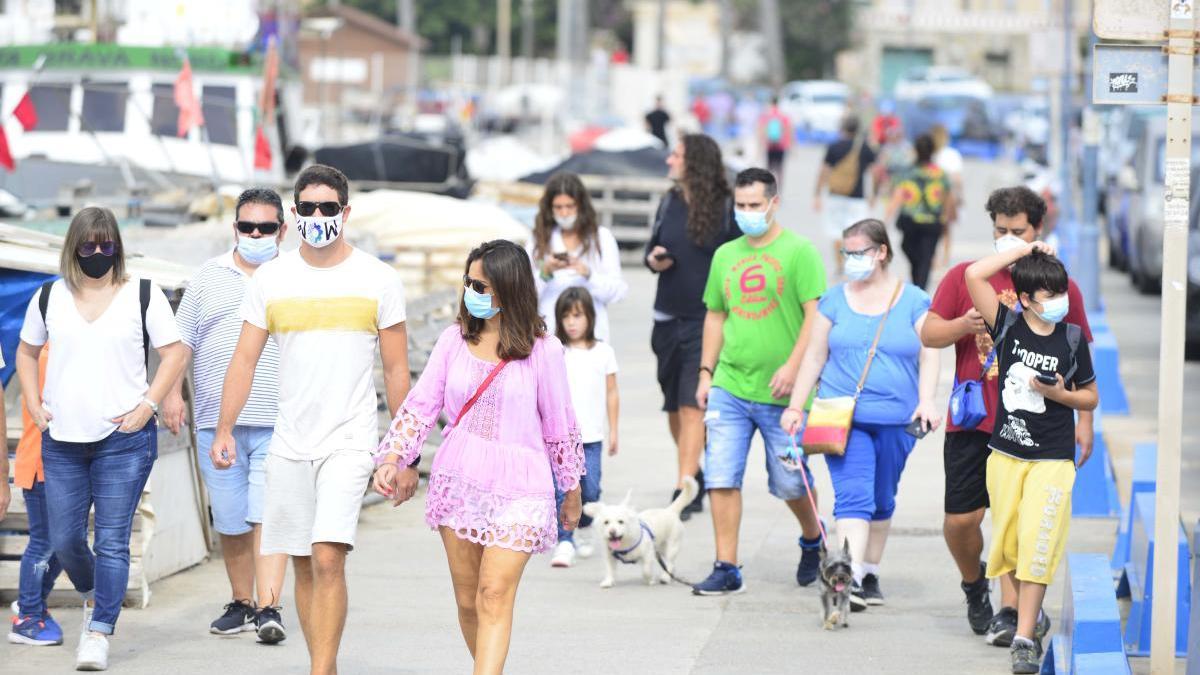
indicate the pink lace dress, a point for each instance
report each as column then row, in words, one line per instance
column 493, row 477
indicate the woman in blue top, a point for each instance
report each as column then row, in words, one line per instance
column 900, row 388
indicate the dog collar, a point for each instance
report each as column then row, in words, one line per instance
column 644, row 530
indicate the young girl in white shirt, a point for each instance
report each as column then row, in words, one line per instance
column 592, row 377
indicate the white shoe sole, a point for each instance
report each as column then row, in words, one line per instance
column 18, row 639
column 561, row 563
column 244, row 628
column 90, row 665
column 271, row 633
column 740, row 589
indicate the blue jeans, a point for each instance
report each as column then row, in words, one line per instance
column 39, row 565
column 235, row 495
column 109, row 474
column 731, row 422
column 866, row 478
column 589, row 485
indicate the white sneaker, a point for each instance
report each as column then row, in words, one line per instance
column 564, row 555
column 87, row 619
column 92, row 653
column 15, row 607
column 583, row 542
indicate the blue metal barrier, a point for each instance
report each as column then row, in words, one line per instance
column 1145, row 463
column 1090, row 637
column 1193, row 662
column 1139, row 575
column 1095, row 491
column 1106, row 363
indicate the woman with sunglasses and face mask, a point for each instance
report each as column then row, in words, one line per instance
column 501, row 381
column 96, row 411
column 570, row 249
column 899, row 388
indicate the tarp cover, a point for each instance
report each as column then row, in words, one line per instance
column 643, row 162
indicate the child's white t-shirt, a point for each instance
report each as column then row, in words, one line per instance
column 587, row 376
column 97, row 369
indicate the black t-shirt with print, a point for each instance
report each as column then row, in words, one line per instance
column 1028, row 425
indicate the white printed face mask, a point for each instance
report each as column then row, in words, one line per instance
column 565, row 222
column 319, row 231
column 1007, row 243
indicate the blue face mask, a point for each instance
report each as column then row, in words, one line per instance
column 752, row 223
column 257, row 251
column 1055, row 309
column 479, row 305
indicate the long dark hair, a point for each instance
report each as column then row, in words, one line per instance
column 575, row 297
column 511, row 276
column 924, row 147
column 705, row 188
column 569, row 184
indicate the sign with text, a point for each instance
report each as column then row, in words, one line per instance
column 1124, row 74
column 1136, row 19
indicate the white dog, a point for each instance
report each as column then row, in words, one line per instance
column 642, row 537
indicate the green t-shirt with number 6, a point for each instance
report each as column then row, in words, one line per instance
column 761, row 291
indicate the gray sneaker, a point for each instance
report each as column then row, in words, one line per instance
column 1026, row 656
column 238, row 617
column 269, row 626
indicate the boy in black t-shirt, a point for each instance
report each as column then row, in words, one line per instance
column 1031, row 470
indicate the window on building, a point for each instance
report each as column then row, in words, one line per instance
column 68, row 7
column 164, row 114
column 219, row 105
column 53, row 103
column 104, row 106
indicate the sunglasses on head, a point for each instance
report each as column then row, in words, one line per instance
column 265, row 229
column 475, row 284
column 328, row 209
column 89, row 248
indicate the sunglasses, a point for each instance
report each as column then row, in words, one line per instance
column 265, row 229
column 851, row 254
column 474, row 284
column 89, row 248
column 328, row 209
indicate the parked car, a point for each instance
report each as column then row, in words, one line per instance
column 1143, row 183
column 815, row 105
column 940, row 80
column 1123, row 129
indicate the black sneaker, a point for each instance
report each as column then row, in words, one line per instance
column 725, row 579
column 810, row 562
column 1042, row 629
column 269, row 626
column 1026, row 656
column 979, row 603
column 857, row 602
column 870, row 590
column 1003, row 628
column 697, row 505
column 238, row 617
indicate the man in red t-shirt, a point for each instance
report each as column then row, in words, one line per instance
column 1017, row 214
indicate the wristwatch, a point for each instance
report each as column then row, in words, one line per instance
column 152, row 404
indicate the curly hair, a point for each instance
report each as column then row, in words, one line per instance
column 705, row 188
column 586, row 226
column 1011, row 201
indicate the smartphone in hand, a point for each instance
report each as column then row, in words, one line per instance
column 663, row 256
column 916, row 429
column 1048, row 380
column 561, row 257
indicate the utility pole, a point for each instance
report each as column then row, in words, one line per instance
column 406, row 18
column 662, row 34
column 772, row 30
column 726, row 29
column 504, row 38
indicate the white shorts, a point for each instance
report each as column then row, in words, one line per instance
column 310, row 501
column 842, row 212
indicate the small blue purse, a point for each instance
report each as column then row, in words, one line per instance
column 967, row 408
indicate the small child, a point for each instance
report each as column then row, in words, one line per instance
column 592, row 377
column 1031, row 469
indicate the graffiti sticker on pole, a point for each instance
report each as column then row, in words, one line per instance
column 1181, row 9
column 1176, row 178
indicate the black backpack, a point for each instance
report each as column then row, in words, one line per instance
column 143, row 299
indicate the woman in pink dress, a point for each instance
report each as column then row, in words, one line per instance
column 501, row 381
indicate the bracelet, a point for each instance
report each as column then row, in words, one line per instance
column 795, row 410
column 706, row 369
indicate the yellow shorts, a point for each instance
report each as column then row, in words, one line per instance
column 1031, row 511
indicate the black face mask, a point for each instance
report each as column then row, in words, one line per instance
column 96, row 266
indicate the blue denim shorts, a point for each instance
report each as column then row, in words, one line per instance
column 235, row 495
column 731, row 423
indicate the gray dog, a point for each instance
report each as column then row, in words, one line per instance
column 836, row 578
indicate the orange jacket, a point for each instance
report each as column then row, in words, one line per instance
column 27, row 468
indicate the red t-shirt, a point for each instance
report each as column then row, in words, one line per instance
column 952, row 301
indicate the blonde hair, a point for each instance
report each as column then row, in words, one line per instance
column 92, row 223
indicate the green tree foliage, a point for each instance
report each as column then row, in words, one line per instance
column 473, row 21
column 814, row 31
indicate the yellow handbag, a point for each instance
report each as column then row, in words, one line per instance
column 828, row 426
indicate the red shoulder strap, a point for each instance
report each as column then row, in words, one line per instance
column 479, row 392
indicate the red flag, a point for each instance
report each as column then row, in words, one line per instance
column 6, row 157
column 26, row 113
column 262, row 150
column 190, row 114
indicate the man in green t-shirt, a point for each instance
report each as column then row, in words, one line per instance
column 760, row 289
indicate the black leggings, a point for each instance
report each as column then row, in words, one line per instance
column 919, row 246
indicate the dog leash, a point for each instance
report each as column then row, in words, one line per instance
column 808, row 490
column 645, row 529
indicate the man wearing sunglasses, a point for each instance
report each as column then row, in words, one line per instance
column 210, row 323
column 327, row 306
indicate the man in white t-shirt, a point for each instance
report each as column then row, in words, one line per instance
column 950, row 161
column 326, row 306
